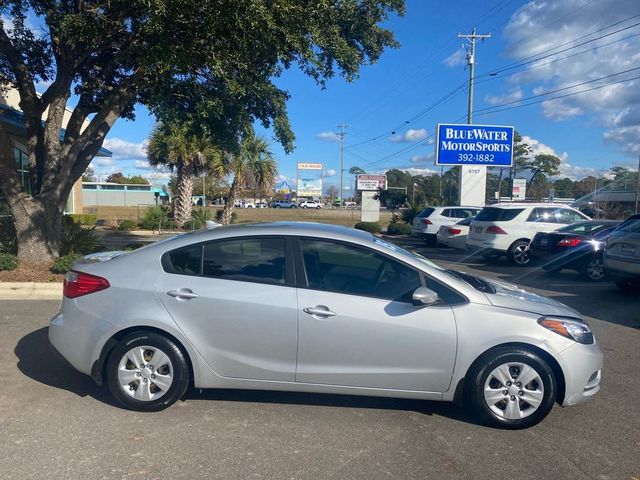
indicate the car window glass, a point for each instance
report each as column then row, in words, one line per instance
column 546, row 215
column 466, row 221
column 249, row 259
column 564, row 215
column 184, row 261
column 493, row 214
column 339, row 268
column 426, row 212
column 630, row 225
column 446, row 212
column 582, row 227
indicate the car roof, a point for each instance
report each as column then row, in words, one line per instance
column 457, row 206
column 525, row 205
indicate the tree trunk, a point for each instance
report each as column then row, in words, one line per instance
column 228, row 208
column 182, row 201
column 38, row 229
column 500, row 185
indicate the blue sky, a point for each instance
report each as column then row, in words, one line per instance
column 590, row 132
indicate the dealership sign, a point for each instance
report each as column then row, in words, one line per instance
column 371, row 182
column 488, row 145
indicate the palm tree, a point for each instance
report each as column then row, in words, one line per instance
column 255, row 161
column 176, row 147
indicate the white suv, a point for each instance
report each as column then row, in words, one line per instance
column 309, row 204
column 507, row 228
column 427, row 223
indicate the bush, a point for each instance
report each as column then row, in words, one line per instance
column 8, row 238
column 234, row 216
column 127, row 225
column 8, row 261
column 86, row 219
column 154, row 217
column 64, row 263
column 200, row 217
column 398, row 228
column 78, row 239
column 371, row 227
column 411, row 212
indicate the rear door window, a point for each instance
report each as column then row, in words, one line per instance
column 494, row 214
column 184, row 261
column 543, row 215
column 564, row 215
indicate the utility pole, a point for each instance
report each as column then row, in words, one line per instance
column 475, row 176
column 638, row 185
column 341, row 133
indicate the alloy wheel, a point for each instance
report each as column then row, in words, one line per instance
column 595, row 269
column 520, row 254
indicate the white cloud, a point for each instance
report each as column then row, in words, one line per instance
column 330, row 173
column 328, row 136
column 537, row 148
column 411, row 135
column 418, row 171
column 511, row 96
column 422, row 158
column 103, row 162
column 125, row 150
column 456, row 59
column 539, row 27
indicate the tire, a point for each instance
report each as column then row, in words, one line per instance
column 490, row 378
column 154, row 387
column 318, row 207
column 518, row 253
column 277, row 206
column 593, row 269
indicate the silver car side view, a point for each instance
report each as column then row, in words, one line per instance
column 318, row 308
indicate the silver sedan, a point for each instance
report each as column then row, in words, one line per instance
column 318, row 308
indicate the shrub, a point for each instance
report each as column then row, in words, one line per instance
column 398, row 228
column 86, row 219
column 200, row 217
column 8, row 238
column 78, row 239
column 154, row 217
column 371, row 227
column 63, row 264
column 411, row 212
column 234, row 216
column 127, row 225
column 8, row 261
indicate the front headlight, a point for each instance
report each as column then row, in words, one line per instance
column 570, row 328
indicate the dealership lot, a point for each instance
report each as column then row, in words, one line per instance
column 56, row 423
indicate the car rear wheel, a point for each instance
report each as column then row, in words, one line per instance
column 519, row 253
column 593, row 269
column 513, row 388
column 147, row 372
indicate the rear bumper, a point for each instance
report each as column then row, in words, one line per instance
column 482, row 246
column 582, row 369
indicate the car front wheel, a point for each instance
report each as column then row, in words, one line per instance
column 147, row 372
column 514, row 388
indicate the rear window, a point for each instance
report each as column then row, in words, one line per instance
column 426, row 212
column 466, row 221
column 631, row 225
column 584, row 227
column 493, row 214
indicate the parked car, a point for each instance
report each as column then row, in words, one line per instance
column 310, row 204
column 428, row 222
column 622, row 254
column 507, row 228
column 578, row 246
column 261, row 204
column 318, row 308
column 455, row 236
column 283, row 204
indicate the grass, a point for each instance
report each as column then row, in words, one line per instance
column 252, row 215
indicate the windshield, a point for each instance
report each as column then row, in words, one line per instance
column 397, row 249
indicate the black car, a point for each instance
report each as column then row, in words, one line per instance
column 577, row 246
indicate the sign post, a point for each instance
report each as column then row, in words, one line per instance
column 473, row 148
column 369, row 185
column 309, row 180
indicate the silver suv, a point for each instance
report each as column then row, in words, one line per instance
column 622, row 254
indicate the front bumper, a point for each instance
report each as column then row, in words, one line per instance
column 582, row 369
column 621, row 268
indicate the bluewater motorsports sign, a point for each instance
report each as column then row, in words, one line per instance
column 489, row 145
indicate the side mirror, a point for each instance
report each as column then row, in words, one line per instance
column 424, row 296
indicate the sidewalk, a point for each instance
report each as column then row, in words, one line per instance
column 30, row 291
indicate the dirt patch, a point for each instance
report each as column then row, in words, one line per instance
column 31, row 272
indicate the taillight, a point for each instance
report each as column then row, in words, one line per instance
column 454, row 231
column 426, row 221
column 77, row 284
column 569, row 242
column 495, row 230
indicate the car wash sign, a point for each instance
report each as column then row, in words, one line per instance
column 488, row 145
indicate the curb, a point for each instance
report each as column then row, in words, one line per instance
column 30, row 291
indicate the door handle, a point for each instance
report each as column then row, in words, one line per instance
column 321, row 311
column 182, row 293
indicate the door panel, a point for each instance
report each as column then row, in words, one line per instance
column 377, row 343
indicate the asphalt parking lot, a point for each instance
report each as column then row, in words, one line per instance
column 56, row 423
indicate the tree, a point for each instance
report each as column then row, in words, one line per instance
column 117, row 177
column 89, row 175
column 254, row 159
column 332, row 193
column 521, row 153
column 392, row 200
column 546, row 164
column 138, row 180
column 176, row 147
column 213, row 63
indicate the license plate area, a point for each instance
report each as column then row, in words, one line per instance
column 628, row 249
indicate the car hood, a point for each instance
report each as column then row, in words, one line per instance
column 511, row 296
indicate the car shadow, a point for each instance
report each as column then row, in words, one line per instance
column 38, row 360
